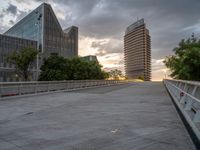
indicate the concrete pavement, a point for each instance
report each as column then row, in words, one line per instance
column 137, row 116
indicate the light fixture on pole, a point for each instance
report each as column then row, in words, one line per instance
column 38, row 43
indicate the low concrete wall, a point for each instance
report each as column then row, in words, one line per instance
column 8, row 89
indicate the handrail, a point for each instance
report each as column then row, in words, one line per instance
column 8, row 89
column 186, row 81
column 189, row 95
column 186, row 95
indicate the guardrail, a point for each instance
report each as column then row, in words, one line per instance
column 8, row 89
column 186, row 95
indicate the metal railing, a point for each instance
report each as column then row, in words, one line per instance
column 8, row 89
column 186, row 95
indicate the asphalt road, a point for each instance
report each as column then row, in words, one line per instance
column 138, row 116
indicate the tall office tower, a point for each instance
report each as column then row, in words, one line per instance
column 41, row 26
column 137, row 51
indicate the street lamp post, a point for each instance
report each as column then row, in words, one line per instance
column 38, row 46
column 38, row 43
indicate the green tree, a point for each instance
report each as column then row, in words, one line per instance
column 23, row 61
column 185, row 64
column 53, row 68
column 60, row 68
column 115, row 74
column 141, row 78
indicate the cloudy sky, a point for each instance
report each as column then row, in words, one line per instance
column 102, row 24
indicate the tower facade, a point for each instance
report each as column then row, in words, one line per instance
column 137, row 51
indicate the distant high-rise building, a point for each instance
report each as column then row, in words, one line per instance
column 90, row 58
column 137, row 51
column 41, row 26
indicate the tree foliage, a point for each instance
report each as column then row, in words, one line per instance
column 60, row 68
column 185, row 64
column 23, row 61
column 141, row 77
column 115, row 74
column 53, row 68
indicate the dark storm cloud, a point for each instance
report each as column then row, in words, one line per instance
column 109, row 19
column 14, row 12
column 105, row 47
column 12, row 9
column 11, row 22
column 21, row 15
column 101, row 19
column 1, row 15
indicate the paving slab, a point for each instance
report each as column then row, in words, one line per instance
column 135, row 116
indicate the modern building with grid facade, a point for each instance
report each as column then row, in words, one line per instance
column 137, row 51
column 41, row 26
column 90, row 58
column 9, row 44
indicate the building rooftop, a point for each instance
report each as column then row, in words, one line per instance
column 134, row 25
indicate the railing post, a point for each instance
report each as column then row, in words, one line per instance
column 197, row 116
column 179, row 84
column 66, row 86
column 36, row 87
column 194, row 90
column 1, row 91
column 48, row 86
column 189, row 100
column 73, row 84
column 20, row 88
column 183, row 99
column 188, row 105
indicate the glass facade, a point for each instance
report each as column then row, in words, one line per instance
column 41, row 25
column 29, row 27
column 8, row 45
column 64, row 43
column 72, row 34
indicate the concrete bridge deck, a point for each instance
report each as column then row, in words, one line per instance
column 137, row 116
